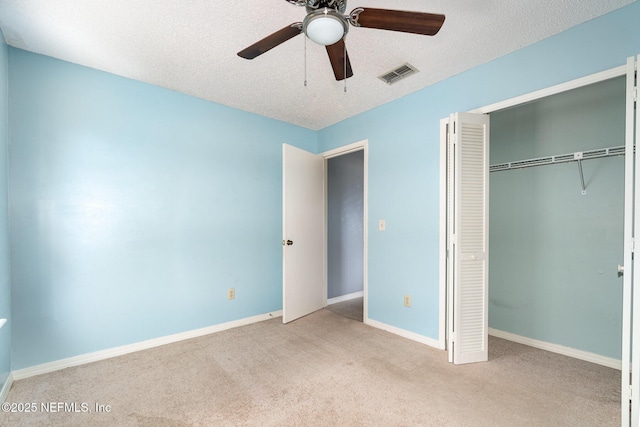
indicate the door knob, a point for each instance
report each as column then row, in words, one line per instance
column 287, row 242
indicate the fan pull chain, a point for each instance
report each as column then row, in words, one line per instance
column 305, row 60
column 344, row 62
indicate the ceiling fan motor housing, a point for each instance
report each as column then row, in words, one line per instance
column 338, row 5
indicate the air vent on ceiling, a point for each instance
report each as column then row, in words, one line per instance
column 398, row 74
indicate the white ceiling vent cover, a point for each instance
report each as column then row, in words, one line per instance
column 398, row 74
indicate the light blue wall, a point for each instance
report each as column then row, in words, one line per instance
column 554, row 252
column 404, row 150
column 345, row 224
column 134, row 209
column 5, row 282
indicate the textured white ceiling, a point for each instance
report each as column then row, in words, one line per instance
column 190, row 46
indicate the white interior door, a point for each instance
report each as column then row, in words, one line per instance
column 630, row 393
column 467, row 237
column 303, row 233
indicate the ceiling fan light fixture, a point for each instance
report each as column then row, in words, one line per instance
column 325, row 27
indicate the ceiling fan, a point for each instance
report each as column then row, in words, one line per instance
column 327, row 25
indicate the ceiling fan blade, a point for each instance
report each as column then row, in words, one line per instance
column 427, row 24
column 339, row 59
column 271, row 41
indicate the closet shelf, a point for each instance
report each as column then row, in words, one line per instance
column 562, row 158
column 578, row 156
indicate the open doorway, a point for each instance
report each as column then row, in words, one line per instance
column 345, row 232
column 305, row 231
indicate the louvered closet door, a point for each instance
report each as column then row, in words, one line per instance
column 470, row 139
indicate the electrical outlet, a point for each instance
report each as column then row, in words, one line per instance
column 231, row 293
column 382, row 225
column 407, row 301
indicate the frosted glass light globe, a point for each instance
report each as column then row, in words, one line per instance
column 325, row 27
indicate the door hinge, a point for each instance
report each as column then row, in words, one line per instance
column 635, row 94
column 453, row 239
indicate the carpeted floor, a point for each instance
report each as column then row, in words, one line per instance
column 323, row 370
column 353, row 308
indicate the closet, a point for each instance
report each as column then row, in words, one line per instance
column 556, row 205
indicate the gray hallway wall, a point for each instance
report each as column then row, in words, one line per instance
column 345, row 180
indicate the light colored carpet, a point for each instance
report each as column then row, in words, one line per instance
column 324, row 370
column 353, row 308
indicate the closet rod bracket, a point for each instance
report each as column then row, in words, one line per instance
column 578, row 155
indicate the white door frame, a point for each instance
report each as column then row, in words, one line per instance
column 346, row 149
column 631, row 298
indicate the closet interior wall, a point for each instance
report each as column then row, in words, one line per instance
column 554, row 251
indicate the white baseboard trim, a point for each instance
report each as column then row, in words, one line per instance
column 560, row 349
column 405, row 334
column 346, row 297
column 6, row 387
column 143, row 345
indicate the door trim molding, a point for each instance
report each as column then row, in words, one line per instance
column 442, row 301
column 346, row 149
column 609, row 74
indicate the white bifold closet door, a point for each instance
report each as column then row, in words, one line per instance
column 467, row 237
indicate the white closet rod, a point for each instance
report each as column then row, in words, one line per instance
column 578, row 156
column 562, row 158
